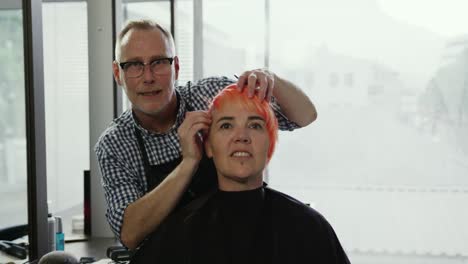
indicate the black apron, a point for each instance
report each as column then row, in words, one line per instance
column 202, row 182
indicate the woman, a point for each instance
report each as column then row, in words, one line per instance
column 243, row 221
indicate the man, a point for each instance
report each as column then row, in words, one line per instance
column 150, row 156
column 243, row 221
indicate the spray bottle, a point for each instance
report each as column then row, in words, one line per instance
column 59, row 236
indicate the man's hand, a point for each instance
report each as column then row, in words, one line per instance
column 295, row 104
column 258, row 81
column 190, row 139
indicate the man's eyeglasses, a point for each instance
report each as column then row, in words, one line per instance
column 134, row 69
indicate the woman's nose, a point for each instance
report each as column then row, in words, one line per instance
column 242, row 136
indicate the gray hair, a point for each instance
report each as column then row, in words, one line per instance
column 142, row 24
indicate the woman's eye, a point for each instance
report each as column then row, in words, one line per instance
column 256, row 126
column 225, row 126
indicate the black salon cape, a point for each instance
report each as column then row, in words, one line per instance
column 257, row 226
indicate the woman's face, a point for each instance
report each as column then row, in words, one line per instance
column 238, row 142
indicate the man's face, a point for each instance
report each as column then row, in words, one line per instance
column 149, row 93
column 238, row 143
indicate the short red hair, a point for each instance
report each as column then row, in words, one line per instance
column 231, row 95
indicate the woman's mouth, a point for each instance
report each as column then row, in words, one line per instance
column 150, row 93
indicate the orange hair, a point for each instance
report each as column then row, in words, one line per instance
column 230, row 95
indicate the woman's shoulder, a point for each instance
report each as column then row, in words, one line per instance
column 289, row 207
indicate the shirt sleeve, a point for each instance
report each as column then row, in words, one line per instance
column 201, row 93
column 120, row 182
column 283, row 122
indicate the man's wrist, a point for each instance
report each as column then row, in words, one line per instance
column 190, row 164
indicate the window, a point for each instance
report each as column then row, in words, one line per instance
column 13, row 170
column 334, row 80
column 66, row 109
column 394, row 189
column 233, row 36
column 184, row 39
column 349, row 79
